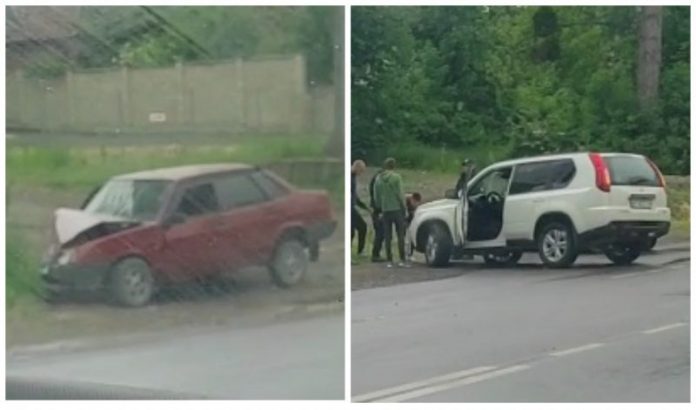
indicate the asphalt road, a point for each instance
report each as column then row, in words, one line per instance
column 593, row 333
column 294, row 358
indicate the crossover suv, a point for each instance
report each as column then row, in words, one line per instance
column 149, row 228
column 558, row 205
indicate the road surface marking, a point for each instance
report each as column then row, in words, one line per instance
column 576, row 349
column 663, row 328
column 415, row 385
column 454, row 384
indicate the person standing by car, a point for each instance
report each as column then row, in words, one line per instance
column 389, row 196
column 412, row 202
column 465, row 173
column 357, row 222
column 377, row 223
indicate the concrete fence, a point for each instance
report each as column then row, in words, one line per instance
column 261, row 95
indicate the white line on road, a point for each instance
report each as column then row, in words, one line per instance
column 663, row 328
column 415, row 385
column 454, row 384
column 576, row 349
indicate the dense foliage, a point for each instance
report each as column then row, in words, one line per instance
column 529, row 79
column 160, row 36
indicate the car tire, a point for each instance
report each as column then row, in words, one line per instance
column 438, row 246
column 557, row 244
column 131, row 282
column 509, row 258
column 289, row 263
column 650, row 244
column 623, row 254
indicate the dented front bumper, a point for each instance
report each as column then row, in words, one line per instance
column 73, row 277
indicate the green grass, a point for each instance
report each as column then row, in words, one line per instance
column 444, row 159
column 22, row 270
column 61, row 166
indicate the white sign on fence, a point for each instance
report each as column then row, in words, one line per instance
column 158, row 117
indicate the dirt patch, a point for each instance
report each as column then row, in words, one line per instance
column 367, row 275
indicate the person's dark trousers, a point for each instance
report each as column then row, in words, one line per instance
column 378, row 226
column 397, row 220
column 358, row 224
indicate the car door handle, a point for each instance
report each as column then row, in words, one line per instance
column 538, row 200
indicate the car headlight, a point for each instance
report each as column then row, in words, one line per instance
column 65, row 257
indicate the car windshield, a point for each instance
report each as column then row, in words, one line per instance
column 133, row 199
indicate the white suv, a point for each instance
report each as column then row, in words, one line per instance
column 558, row 205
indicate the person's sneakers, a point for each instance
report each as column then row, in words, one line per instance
column 390, row 265
column 404, row 264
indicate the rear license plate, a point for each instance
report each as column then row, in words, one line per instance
column 641, row 203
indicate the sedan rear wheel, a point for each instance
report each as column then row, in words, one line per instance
column 290, row 263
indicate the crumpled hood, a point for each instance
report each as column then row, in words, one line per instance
column 69, row 223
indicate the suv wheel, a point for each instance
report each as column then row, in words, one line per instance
column 290, row 263
column 623, row 254
column 557, row 245
column 508, row 258
column 131, row 282
column 438, row 246
column 649, row 244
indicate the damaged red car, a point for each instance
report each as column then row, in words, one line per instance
column 140, row 231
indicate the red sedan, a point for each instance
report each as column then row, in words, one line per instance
column 142, row 230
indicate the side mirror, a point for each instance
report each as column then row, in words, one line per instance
column 451, row 194
column 174, row 219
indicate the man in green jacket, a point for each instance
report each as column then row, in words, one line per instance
column 390, row 198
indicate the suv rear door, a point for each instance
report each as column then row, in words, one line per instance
column 533, row 185
column 637, row 187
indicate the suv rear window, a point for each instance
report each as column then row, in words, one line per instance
column 542, row 176
column 631, row 170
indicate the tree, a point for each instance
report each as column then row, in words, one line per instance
column 649, row 55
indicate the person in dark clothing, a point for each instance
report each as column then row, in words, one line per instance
column 357, row 222
column 377, row 223
column 412, row 202
column 462, row 177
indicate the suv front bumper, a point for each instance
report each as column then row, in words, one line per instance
column 624, row 231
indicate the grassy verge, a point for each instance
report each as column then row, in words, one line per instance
column 443, row 159
column 22, row 270
column 85, row 166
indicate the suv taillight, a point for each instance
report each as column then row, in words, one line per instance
column 602, row 178
column 660, row 177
